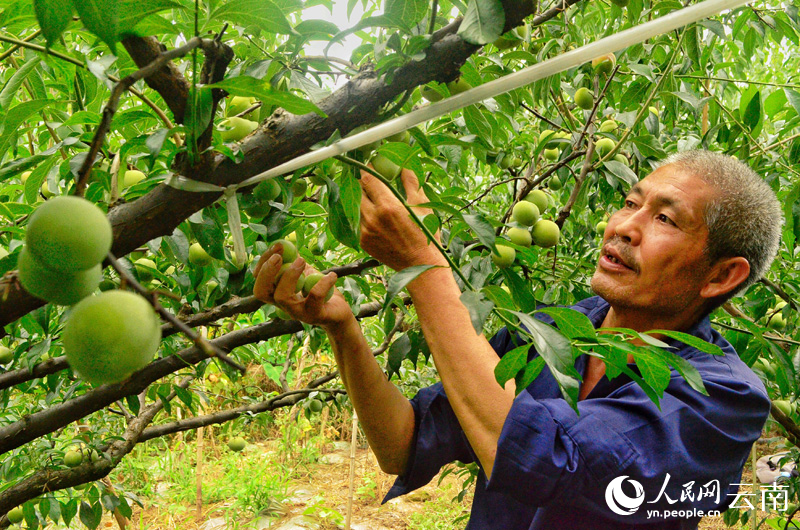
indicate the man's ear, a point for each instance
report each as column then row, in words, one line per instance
column 725, row 276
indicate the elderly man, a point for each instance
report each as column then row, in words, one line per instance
column 670, row 255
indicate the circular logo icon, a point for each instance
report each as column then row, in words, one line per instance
column 618, row 501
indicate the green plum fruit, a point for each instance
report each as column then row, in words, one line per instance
column 545, row 233
column 237, row 444
column 504, row 257
column 539, row 198
column 457, row 87
column 68, row 234
column 6, row 354
column 267, row 190
column 551, row 154
column 239, row 104
column 311, row 281
column 385, row 167
column 144, row 269
column 132, row 176
column 605, row 146
column 608, row 126
column 584, row 98
column 60, row 288
column 198, row 255
column 554, row 183
column 110, row 336
column 15, row 515
column 431, row 94
column 73, row 458
column 234, row 129
column 520, row 236
column 601, row 227
column 605, row 63
column 525, row 213
column 289, row 250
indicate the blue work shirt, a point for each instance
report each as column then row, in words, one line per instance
column 553, row 468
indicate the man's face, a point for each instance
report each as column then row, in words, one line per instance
column 652, row 255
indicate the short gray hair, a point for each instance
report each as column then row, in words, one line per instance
column 744, row 219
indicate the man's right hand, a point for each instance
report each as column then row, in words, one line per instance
column 312, row 309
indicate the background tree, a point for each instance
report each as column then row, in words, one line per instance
column 150, row 108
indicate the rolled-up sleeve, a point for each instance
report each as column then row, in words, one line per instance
column 439, row 440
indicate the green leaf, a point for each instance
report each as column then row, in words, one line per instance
column 775, row 102
column 621, row 171
column 483, row 22
column 511, row 363
column 15, row 118
column 54, row 16
column 344, row 205
column 91, row 514
column 198, row 110
column 794, row 99
column 398, row 351
column 131, row 12
column 398, row 282
column 653, row 369
column 479, row 308
column 689, row 340
column 405, row 13
column 36, row 178
column 752, row 113
column 11, row 88
column 250, row 86
column 101, row 18
column 556, row 351
column 683, row 367
column 482, row 228
column 573, row 324
column 529, row 374
column 262, row 13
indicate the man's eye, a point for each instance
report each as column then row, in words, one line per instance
column 629, row 203
column 663, row 218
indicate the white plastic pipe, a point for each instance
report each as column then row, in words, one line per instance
column 526, row 76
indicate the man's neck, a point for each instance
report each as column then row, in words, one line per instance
column 641, row 321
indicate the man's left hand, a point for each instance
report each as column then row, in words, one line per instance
column 387, row 231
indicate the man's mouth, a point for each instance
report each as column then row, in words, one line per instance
column 613, row 259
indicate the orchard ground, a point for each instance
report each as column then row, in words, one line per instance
column 295, row 471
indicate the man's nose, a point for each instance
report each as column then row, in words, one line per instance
column 629, row 228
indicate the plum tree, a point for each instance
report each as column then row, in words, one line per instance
column 68, row 234
column 545, row 233
column 234, row 129
column 525, row 213
column 504, row 257
column 62, row 288
column 110, row 336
